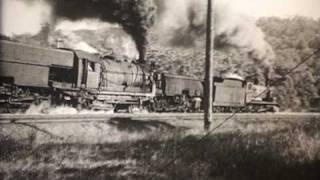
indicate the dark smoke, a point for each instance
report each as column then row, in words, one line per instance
column 135, row 16
column 188, row 35
column 182, row 23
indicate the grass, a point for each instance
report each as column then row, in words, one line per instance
column 281, row 153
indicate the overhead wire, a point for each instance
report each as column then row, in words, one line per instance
column 305, row 59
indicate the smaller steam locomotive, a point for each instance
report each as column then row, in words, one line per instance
column 31, row 74
column 231, row 94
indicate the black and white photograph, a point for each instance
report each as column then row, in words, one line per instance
column 160, row 89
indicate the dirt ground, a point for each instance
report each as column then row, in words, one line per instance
column 122, row 149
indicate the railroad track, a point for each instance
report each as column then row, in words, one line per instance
column 44, row 118
column 98, row 128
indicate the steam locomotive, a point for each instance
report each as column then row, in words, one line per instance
column 30, row 74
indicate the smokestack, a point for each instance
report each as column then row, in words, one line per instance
column 142, row 54
column 142, row 43
column 267, row 76
column 59, row 41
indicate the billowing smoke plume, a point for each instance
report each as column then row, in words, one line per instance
column 135, row 16
column 182, row 24
column 23, row 17
column 94, row 36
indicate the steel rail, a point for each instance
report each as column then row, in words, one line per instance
column 246, row 117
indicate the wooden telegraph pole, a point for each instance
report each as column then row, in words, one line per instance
column 208, row 92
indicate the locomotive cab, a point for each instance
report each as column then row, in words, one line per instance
column 88, row 70
column 114, row 84
column 259, row 98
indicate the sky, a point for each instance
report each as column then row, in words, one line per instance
column 16, row 16
column 280, row 8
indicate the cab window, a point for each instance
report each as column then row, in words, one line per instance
column 91, row 66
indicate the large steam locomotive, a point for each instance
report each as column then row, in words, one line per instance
column 31, row 74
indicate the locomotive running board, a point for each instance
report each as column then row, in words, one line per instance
column 122, row 93
column 262, row 103
column 115, row 93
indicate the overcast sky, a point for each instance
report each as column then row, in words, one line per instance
column 282, row 8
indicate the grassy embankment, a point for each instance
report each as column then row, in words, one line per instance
column 144, row 150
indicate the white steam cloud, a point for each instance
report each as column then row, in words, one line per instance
column 88, row 24
column 29, row 17
column 182, row 23
column 94, row 36
column 23, row 17
column 239, row 30
column 47, row 108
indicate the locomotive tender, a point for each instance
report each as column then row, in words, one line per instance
column 31, row 74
